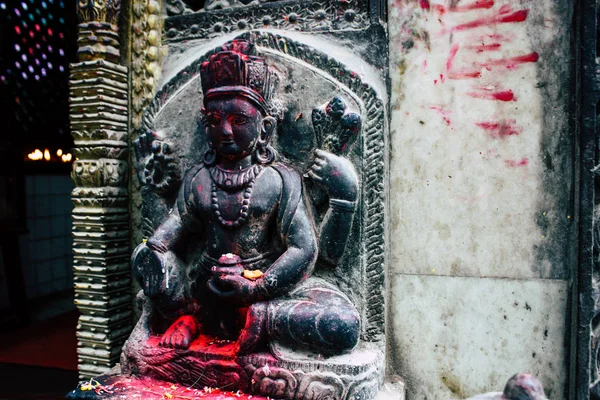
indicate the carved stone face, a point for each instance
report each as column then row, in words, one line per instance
column 233, row 126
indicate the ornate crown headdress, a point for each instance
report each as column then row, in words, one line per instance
column 237, row 70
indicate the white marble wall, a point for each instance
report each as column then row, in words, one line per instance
column 481, row 194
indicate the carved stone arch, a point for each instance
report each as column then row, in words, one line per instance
column 368, row 93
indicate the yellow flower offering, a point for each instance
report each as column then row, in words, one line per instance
column 252, row 275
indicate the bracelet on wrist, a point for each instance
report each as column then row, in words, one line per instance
column 156, row 246
column 261, row 289
column 342, row 205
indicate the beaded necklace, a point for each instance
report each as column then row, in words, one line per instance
column 231, row 180
column 234, row 180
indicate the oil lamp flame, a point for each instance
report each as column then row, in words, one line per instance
column 35, row 155
column 38, row 155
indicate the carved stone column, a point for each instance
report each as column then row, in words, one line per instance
column 99, row 125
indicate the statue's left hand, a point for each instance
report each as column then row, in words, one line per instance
column 336, row 174
column 157, row 163
column 234, row 289
column 149, row 271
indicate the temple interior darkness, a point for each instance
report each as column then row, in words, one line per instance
column 37, row 315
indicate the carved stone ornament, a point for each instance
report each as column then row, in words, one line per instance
column 99, row 11
column 218, row 18
column 146, row 24
column 157, row 166
column 98, row 29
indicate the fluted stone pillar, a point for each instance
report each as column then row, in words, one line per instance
column 99, row 125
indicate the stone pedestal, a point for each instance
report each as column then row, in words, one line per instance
column 280, row 373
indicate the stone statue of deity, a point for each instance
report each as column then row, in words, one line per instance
column 250, row 216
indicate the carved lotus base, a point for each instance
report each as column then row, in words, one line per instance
column 280, row 374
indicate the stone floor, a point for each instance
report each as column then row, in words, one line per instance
column 51, row 344
column 35, row 383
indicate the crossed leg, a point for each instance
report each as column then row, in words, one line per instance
column 317, row 316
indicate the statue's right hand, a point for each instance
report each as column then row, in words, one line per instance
column 148, row 269
column 234, row 289
column 154, row 283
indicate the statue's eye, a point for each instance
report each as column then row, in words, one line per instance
column 239, row 120
column 213, row 121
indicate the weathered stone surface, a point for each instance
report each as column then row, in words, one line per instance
column 468, row 334
column 481, row 173
column 481, row 185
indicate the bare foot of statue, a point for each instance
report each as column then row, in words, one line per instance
column 253, row 332
column 181, row 334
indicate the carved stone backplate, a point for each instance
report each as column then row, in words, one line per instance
column 303, row 65
column 332, row 97
column 172, row 141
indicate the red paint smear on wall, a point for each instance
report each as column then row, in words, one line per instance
column 500, row 95
column 512, row 62
column 453, row 51
column 517, row 16
column 505, row 9
column 443, row 113
column 464, row 74
column 496, row 36
column 439, row 8
column 477, row 5
column 501, row 129
column 509, row 63
column 517, row 163
column 480, row 48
